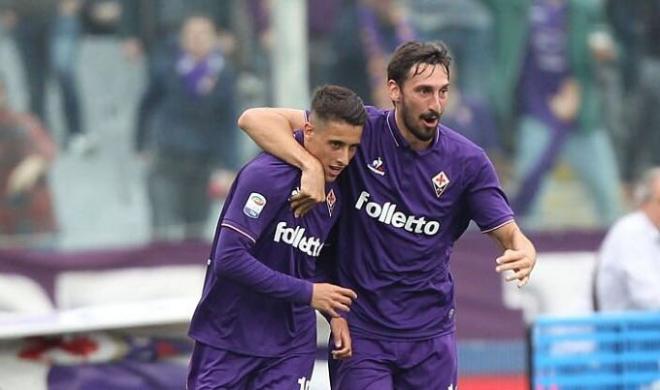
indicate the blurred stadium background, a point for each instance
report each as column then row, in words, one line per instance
column 103, row 302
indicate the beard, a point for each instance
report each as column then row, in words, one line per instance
column 416, row 125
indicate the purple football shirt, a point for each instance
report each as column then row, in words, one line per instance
column 404, row 210
column 258, row 286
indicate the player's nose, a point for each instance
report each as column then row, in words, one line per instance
column 436, row 104
column 343, row 157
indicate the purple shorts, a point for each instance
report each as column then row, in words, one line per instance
column 401, row 365
column 212, row 368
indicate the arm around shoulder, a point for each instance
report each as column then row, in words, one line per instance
column 271, row 129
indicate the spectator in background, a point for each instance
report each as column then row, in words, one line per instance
column 466, row 26
column 643, row 149
column 151, row 26
column 186, row 122
column 256, row 37
column 26, row 152
column 47, row 34
column 322, row 16
column 368, row 31
column 547, row 53
column 628, row 273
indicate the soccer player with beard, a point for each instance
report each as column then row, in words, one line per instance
column 254, row 327
column 413, row 187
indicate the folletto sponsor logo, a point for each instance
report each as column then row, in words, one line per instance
column 295, row 236
column 387, row 214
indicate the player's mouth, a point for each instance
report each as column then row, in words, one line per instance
column 430, row 119
column 334, row 170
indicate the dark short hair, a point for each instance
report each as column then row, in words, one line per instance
column 413, row 54
column 337, row 103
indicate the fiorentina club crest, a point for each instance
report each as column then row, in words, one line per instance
column 330, row 200
column 440, row 183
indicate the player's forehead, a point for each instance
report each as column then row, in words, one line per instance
column 340, row 130
column 427, row 74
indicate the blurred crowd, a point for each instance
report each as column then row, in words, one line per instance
column 556, row 91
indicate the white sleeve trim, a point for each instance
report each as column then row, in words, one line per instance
column 239, row 230
column 498, row 226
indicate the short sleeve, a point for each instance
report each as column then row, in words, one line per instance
column 487, row 203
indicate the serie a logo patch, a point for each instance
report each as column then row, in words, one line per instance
column 254, row 204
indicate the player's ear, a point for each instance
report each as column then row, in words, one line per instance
column 308, row 129
column 393, row 90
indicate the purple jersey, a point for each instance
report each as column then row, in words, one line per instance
column 257, row 291
column 406, row 210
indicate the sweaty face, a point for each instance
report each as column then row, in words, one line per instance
column 333, row 143
column 198, row 37
column 420, row 102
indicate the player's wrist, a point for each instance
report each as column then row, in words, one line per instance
column 306, row 292
column 309, row 163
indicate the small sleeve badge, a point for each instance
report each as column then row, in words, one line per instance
column 254, row 205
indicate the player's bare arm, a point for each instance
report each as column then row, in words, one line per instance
column 519, row 255
column 271, row 129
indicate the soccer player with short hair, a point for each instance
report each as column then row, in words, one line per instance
column 254, row 327
column 412, row 190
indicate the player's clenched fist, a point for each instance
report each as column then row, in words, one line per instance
column 329, row 298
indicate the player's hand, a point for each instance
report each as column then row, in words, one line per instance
column 329, row 298
column 517, row 261
column 312, row 189
column 566, row 103
column 341, row 337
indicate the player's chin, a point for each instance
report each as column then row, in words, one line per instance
column 332, row 174
column 425, row 133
